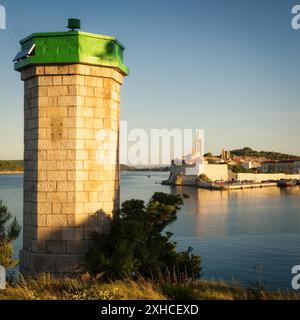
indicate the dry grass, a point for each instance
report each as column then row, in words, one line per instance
column 45, row 287
column 219, row 290
column 86, row 287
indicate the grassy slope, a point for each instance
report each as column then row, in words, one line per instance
column 89, row 288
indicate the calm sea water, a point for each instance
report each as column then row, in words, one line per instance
column 232, row 231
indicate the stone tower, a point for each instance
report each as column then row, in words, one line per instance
column 71, row 138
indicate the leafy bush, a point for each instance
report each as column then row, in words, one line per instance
column 240, row 169
column 203, row 177
column 7, row 236
column 208, row 155
column 136, row 245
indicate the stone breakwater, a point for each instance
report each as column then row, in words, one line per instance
column 194, row 181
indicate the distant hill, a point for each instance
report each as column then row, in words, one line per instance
column 18, row 165
column 11, row 165
column 124, row 167
column 271, row 155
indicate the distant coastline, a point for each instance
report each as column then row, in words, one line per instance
column 11, row 166
column 11, row 172
column 16, row 167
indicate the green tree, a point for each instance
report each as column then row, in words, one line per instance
column 7, row 235
column 240, row 169
column 208, row 155
column 203, row 177
column 137, row 246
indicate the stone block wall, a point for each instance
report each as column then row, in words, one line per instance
column 71, row 158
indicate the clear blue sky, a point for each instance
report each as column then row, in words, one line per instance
column 231, row 67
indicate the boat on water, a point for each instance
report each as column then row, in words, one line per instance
column 286, row 183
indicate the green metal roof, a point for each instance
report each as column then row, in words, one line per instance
column 73, row 47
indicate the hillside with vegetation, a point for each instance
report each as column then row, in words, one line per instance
column 124, row 167
column 11, row 165
column 18, row 166
column 271, row 155
column 237, row 168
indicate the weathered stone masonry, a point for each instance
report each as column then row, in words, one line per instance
column 67, row 188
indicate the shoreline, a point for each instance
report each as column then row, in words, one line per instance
column 10, row 172
column 227, row 187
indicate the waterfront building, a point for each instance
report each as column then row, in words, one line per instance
column 250, row 164
column 189, row 172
